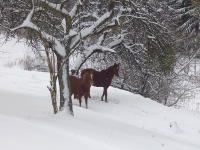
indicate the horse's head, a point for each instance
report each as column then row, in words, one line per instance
column 116, row 69
column 88, row 77
column 91, row 78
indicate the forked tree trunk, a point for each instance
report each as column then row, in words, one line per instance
column 63, row 74
column 52, row 70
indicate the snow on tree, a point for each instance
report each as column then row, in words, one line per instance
column 146, row 53
column 63, row 27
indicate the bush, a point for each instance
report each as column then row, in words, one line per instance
column 30, row 63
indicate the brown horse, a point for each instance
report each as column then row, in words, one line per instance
column 102, row 78
column 80, row 87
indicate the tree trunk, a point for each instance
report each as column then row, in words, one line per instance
column 64, row 85
column 53, row 93
column 60, row 80
column 144, row 83
column 70, row 104
column 163, row 93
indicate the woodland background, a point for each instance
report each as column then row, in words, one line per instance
column 156, row 42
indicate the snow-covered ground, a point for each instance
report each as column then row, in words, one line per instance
column 12, row 52
column 127, row 122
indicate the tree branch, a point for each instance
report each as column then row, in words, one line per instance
column 59, row 48
column 91, row 30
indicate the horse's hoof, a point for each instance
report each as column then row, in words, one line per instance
column 61, row 109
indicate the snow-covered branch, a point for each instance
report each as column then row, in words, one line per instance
column 58, row 8
column 55, row 7
column 91, row 30
column 191, row 59
column 97, row 48
column 145, row 20
column 59, row 48
column 74, row 10
column 116, row 42
column 89, row 52
column 107, row 27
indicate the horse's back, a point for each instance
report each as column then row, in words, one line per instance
column 88, row 70
column 99, row 77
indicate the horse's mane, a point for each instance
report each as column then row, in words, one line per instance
column 109, row 69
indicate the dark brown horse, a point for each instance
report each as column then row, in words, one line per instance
column 103, row 78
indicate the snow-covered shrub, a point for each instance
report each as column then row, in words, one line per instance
column 30, row 63
column 33, row 63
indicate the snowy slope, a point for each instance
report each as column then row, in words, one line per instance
column 127, row 122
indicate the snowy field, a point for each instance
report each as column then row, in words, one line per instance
column 127, row 122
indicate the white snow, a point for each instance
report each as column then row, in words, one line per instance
column 126, row 122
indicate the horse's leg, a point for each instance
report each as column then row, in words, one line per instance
column 79, row 101
column 103, row 94
column 106, row 95
column 86, row 101
column 89, row 94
